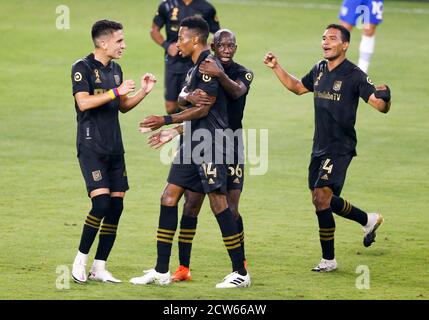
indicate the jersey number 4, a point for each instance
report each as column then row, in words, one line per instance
column 327, row 167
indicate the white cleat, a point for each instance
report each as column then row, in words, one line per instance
column 152, row 276
column 374, row 221
column 235, row 280
column 79, row 273
column 102, row 276
column 326, row 266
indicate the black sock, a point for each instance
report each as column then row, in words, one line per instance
column 100, row 207
column 188, row 227
column 326, row 233
column 166, row 230
column 231, row 238
column 108, row 229
column 346, row 210
column 240, row 227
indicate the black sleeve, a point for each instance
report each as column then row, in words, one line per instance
column 308, row 79
column 365, row 86
column 208, row 84
column 213, row 20
column 80, row 78
column 245, row 76
column 160, row 18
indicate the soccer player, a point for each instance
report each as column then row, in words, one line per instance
column 372, row 14
column 235, row 80
column 100, row 92
column 170, row 13
column 337, row 85
column 195, row 167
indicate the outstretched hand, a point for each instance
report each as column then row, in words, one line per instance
column 161, row 137
column 152, row 123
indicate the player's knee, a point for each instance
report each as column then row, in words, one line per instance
column 191, row 208
column 321, row 199
column 101, row 205
column 168, row 199
column 218, row 203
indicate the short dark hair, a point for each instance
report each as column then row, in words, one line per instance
column 198, row 25
column 345, row 34
column 104, row 28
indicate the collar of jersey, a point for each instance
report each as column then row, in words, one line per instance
column 97, row 63
column 339, row 68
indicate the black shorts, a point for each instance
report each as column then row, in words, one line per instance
column 103, row 171
column 202, row 178
column 173, row 84
column 235, row 179
column 328, row 171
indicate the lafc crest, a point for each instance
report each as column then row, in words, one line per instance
column 117, row 79
column 206, row 78
column 337, row 85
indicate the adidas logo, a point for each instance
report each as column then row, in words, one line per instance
column 211, row 181
column 325, row 177
column 236, row 180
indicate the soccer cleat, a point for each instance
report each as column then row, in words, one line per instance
column 102, row 276
column 181, row 274
column 152, row 276
column 325, row 266
column 374, row 221
column 79, row 273
column 234, row 280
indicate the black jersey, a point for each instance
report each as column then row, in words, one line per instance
column 235, row 108
column 98, row 128
column 170, row 13
column 336, row 98
column 217, row 118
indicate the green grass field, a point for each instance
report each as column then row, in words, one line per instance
column 44, row 202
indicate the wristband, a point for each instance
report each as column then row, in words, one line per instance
column 383, row 94
column 168, row 120
column 114, row 93
column 165, row 45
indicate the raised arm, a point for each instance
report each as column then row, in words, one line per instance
column 289, row 81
